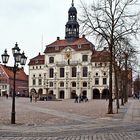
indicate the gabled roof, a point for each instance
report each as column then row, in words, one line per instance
column 100, row 56
column 59, row 45
column 38, row 60
column 20, row 74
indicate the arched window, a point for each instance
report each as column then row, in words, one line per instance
column 51, row 72
column 85, row 71
column 73, row 72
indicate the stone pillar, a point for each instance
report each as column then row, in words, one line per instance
column 89, row 93
column 67, row 93
column 78, row 91
column 57, row 93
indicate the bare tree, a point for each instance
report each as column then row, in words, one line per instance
column 110, row 20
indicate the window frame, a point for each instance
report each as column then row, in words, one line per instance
column 84, row 58
column 51, row 60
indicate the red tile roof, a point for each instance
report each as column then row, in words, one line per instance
column 100, row 56
column 59, row 45
column 20, row 74
column 38, row 60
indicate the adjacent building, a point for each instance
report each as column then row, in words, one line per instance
column 7, row 79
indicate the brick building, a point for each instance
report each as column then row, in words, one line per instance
column 7, row 78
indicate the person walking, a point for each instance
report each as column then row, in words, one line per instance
column 6, row 96
column 30, row 98
column 76, row 98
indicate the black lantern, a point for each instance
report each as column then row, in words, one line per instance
column 5, row 57
column 16, row 53
column 18, row 58
column 23, row 59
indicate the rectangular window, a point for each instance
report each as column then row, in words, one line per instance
column 39, row 81
column 85, row 58
column 51, row 72
column 51, row 84
column 34, row 82
column 74, row 71
column 85, row 71
column 62, row 72
column 51, row 59
column 96, row 81
column 104, row 81
column 62, row 84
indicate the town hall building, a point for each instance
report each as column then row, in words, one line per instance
column 70, row 66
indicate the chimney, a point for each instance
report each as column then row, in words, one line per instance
column 83, row 36
column 58, row 38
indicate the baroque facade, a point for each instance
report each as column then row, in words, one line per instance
column 70, row 66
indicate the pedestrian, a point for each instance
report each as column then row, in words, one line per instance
column 6, row 96
column 76, row 98
column 35, row 98
column 30, row 98
column 80, row 98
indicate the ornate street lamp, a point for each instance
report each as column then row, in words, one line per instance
column 5, row 57
column 18, row 59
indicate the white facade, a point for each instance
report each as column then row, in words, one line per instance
column 93, row 84
column 71, row 66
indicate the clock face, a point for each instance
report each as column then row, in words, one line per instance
column 67, row 55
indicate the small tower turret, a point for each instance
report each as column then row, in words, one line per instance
column 72, row 26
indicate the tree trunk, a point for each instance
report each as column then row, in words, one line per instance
column 117, row 94
column 110, row 105
column 126, row 81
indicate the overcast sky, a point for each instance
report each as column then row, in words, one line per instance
column 33, row 24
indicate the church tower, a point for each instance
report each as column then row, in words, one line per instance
column 72, row 26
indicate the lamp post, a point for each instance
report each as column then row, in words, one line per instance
column 18, row 59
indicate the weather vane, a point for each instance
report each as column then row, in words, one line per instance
column 72, row 2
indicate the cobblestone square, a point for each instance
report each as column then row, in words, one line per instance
column 66, row 120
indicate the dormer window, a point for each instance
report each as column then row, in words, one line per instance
column 85, row 58
column 79, row 46
column 56, row 48
column 36, row 61
column 51, row 59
